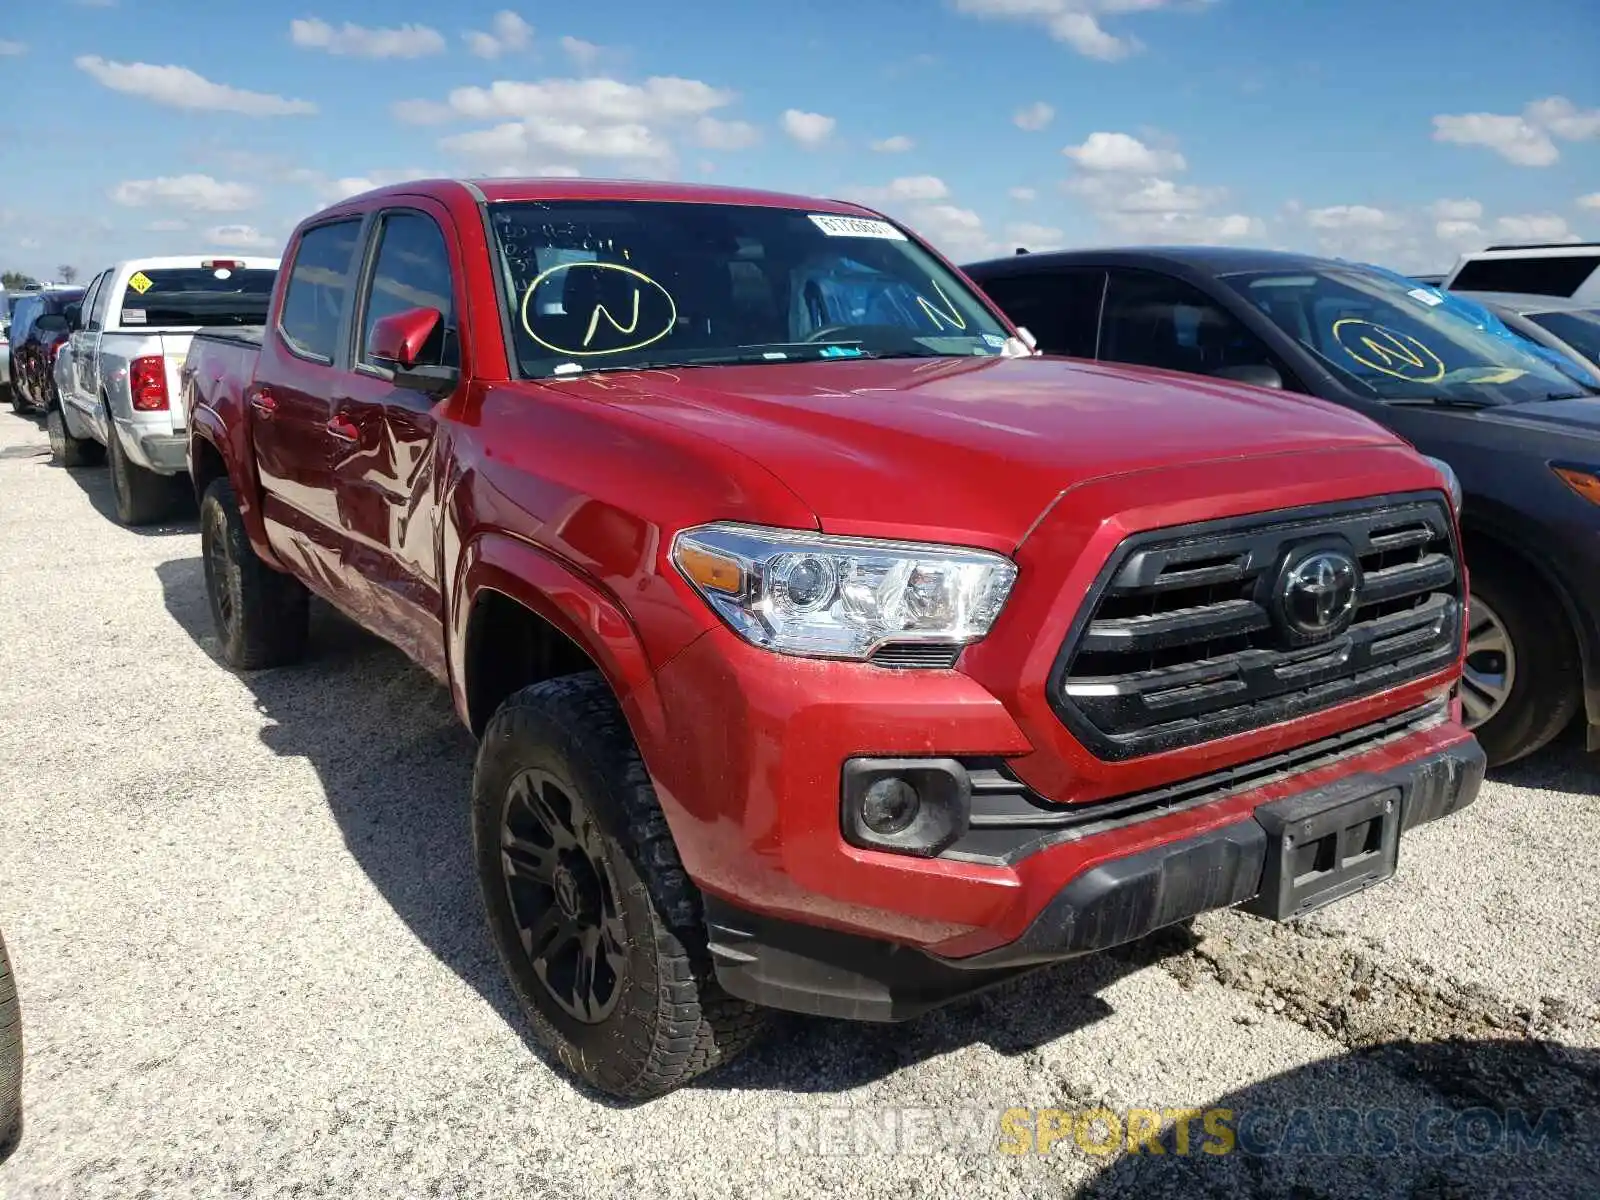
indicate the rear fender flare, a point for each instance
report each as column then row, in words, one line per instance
column 206, row 425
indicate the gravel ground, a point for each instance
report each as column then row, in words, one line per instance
column 252, row 962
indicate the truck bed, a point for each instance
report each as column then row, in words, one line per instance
column 248, row 335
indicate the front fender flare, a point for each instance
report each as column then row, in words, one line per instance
column 574, row 603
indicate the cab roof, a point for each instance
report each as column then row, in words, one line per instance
column 496, row 191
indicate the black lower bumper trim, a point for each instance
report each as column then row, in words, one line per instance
column 824, row 972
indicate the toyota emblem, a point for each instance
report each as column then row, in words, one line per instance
column 1318, row 594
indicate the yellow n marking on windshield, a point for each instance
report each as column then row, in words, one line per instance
column 600, row 310
column 948, row 315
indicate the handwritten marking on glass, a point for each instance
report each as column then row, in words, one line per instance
column 642, row 284
column 1388, row 351
column 948, row 314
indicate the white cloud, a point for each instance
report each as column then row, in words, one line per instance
column 597, row 101
column 1348, row 216
column 1035, row 236
column 240, row 237
column 357, row 41
column 715, row 134
column 898, row 144
column 330, row 191
column 1591, row 201
column 421, row 112
column 1528, row 139
column 1123, row 152
column 508, row 34
column 1458, row 232
column 1455, row 210
column 1190, row 227
column 916, row 188
column 179, row 87
column 1565, row 119
column 582, row 53
column 1076, row 23
column 594, row 118
column 1534, row 227
column 808, row 128
column 9, row 49
column 1023, row 195
column 1512, row 138
column 957, row 232
column 1115, row 193
column 1033, row 117
column 200, row 193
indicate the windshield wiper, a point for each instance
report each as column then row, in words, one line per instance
column 1442, row 401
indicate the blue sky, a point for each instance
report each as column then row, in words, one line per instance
column 1401, row 132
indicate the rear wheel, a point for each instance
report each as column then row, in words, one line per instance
column 66, row 449
column 142, row 496
column 597, row 925
column 262, row 616
column 1522, row 683
column 19, row 402
column 10, row 1059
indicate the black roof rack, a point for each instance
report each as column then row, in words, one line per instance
column 1549, row 246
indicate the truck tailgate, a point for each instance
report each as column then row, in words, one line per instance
column 174, row 349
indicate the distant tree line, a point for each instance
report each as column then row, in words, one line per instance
column 21, row 281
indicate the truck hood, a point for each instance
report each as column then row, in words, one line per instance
column 977, row 446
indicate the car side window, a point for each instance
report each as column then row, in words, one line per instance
column 1156, row 321
column 412, row 270
column 96, row 316
column 1061, row 308
column 86, row 305
column 319, row 289
column 22, row 319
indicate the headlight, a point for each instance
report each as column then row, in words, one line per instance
column 836, row 597
column 1451, row 483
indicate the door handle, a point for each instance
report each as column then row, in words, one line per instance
column 264, row 402
column 344, row 429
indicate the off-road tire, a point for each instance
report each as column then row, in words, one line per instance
column 672, row 1021
column 10, row 1059
column 19, row 402
column 65, row 449
column 142, row 497
column 1548, row 689
column 262, row 616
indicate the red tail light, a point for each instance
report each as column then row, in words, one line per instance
column 147, row 380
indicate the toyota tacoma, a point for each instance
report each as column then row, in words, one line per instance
column 828, row 648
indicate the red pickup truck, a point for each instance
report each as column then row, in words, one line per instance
column 827, row 648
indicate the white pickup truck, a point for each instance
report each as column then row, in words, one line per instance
column 130, row 336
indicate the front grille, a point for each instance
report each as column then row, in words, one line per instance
column 1186, row 636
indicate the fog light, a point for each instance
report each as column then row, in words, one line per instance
column 905, row 805
column 889, row 806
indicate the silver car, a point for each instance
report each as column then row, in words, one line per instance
column 1569, row 327
column 129, row 340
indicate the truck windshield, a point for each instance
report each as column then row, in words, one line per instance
column 597, row 285
column 197, row 296
column 1396, row 339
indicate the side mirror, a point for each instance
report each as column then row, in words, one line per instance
column 1027, row 338
column 398, row 341
column 1255, row 374
column 52, row 323
column 74, row 316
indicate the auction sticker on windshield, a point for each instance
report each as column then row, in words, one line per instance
column 855, row 227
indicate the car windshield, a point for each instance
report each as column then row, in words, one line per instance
column 197, row 296
column 1396, row 339
column 1579, row 329
column 606, row 285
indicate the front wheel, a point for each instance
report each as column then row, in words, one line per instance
column 597, row 925
column 10, row 1059
column 1522, row 683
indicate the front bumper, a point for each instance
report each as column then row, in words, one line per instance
column 1249, row 862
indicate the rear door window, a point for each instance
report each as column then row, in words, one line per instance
column 1061, row 308
column 318, row 295
column 96, row 318
column 1156, row 321
column 205, row 296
